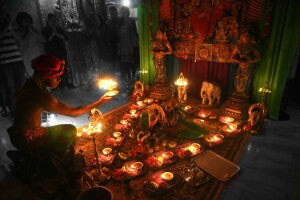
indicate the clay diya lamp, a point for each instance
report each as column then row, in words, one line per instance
column 186, row 108
column 124, row 122
column 133, row 113
column 117, row 134
column 214, row 139
column 230, row 129
column 172, row 144
column 167, row 154
column 140, row 103
column 106, row 151
column 136, row 167
column 194, row 148
column 167, row 176
column 226, row 119
column 203, row 115
column 148, row 101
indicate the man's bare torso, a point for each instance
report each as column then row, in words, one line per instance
column 31, row 102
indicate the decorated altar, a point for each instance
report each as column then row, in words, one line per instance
column 131, row 161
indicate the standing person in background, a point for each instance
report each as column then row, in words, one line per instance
column 55, row 45
column 128, row 42
column 113, row 24
column 92, row 53
column 31, row 40
column 12, row 68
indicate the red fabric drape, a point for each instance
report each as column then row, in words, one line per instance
column 199, row 71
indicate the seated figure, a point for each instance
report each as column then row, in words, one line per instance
column 26, row 133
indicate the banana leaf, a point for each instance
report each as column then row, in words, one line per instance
column 187, row 129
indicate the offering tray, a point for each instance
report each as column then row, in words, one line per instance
column 216, row 165
column 192, row 175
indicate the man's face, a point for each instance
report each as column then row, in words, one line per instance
column 53, row 82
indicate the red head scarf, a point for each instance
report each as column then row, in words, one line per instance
column 48, row 66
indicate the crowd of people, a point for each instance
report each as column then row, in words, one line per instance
column 111, row 47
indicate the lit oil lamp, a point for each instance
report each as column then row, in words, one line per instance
column 117, row 134
column 140, row 103
column 230, row 129
column 133, row 113
column 194, row 148
column 136, row 166
column 167, row 155
column 106, row 151
column 203, row 114
column 181, row 83
column 148, row 101
column 214, row 139
column 186, row 108
column 124, row 122
column 109, row 85
column 92, row 129
column 226, row 119
column 167, row 176
column 79, row 134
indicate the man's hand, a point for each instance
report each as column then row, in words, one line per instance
column 104, row 99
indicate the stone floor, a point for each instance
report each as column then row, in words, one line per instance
column 270, row 164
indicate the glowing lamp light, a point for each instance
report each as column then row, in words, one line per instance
column 181, row 83
column 214, row 139
column 109, row 85
column 194, row 148
column 168, row 154
column 167, row 176
column 148, row 101
column 137, row 166
column 186, row 108
column 226, row 119
column 140, row 103
column 124, row 122
column 117, row 134
column 106, row 151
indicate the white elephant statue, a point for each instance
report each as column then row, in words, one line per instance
column 210, row 92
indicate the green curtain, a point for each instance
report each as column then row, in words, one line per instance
column 148, row 21
column 277, row 54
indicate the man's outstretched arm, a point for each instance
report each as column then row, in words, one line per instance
column 54, row 105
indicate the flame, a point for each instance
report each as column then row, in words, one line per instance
column 181, row 81
column 107, row 84
column 160, row 159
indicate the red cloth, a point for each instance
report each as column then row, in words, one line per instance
column 199, row 71
column 48, row 66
